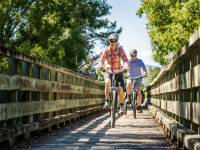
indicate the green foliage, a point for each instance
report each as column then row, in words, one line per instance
column 100, row 75
column 3, row 65
column 62, row 32
column 152, row 72
column 169, row 23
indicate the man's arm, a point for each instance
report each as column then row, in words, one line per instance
column 123, row 56
column 125, row 59
column 103, row 63
column 144, row 68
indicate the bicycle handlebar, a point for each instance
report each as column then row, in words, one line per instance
column 114, row 72
column 138, row 77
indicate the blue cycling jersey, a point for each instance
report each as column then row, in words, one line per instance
column 136, row 68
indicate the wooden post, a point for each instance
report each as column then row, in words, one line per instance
column 12, row 66
column 25, row 69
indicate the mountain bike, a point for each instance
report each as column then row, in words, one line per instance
column 133, row 98
column 113, row 95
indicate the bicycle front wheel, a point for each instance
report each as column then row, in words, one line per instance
column 113, row 108
column 125, row 107
column 134, row 103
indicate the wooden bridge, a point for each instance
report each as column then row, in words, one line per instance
column 95, row 133
column 64, row 109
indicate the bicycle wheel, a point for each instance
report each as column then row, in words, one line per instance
column 134, row 103
column 113, row 108
column 125, row 108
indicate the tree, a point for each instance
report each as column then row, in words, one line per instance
column 62, row 32
column 169, row 23
column 152, row 72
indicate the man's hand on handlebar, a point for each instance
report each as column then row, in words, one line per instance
column 108, row 69
column 114, row 71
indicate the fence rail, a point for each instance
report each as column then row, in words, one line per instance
column 176, row 90
column 35, row 95
column 175, row 95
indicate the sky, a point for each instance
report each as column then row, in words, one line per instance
column 134, row 34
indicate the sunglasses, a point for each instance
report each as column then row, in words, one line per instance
column 113, row 41
column 133, row 55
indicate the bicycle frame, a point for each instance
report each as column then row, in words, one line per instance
column 114, row 99
column 113, row 95
column 133, row 97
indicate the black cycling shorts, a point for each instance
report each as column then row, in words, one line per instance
column 118, row 78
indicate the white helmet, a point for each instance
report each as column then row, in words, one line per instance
column 133, row 51
column 112, row 36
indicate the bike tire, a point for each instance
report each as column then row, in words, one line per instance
column 125, row 108
column 113, row 108
column 110, row 105
column 134, row 104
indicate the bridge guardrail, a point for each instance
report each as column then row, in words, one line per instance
column 35, row 95
column 176, row 90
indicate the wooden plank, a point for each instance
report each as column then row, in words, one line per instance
column 169, row 106
column 176, row 107
column 3, row 111
column 12, row 66
column 185, row 110
column 25, row 68
column 164, row 104
column 96, row 134
column 196, row 76
column 185, row 81
column 153, row 101
column 60, row 77
column 196, row 112
column 29, row 84
column 25, row 58
column 158, row 102
column 14, row 110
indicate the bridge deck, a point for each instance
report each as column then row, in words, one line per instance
column 141, row 133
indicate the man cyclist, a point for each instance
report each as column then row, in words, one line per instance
column 111, row 60
column 136, row 69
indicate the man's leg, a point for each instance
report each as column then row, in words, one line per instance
column 121, row 99
column 107, row 88
column 107, row 93
column 139, row 96
column 139, row 99
column 120, row 84
column 128, row 89
column 138, row 85
column 121, row 95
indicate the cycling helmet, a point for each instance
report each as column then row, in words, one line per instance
column 112, row 36
column 133, row 51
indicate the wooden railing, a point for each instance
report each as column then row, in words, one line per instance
column 176, row 90
column 35, row 95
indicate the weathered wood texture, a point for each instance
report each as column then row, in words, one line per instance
column 36, row 95
column 129, row 134
column 176, row 90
